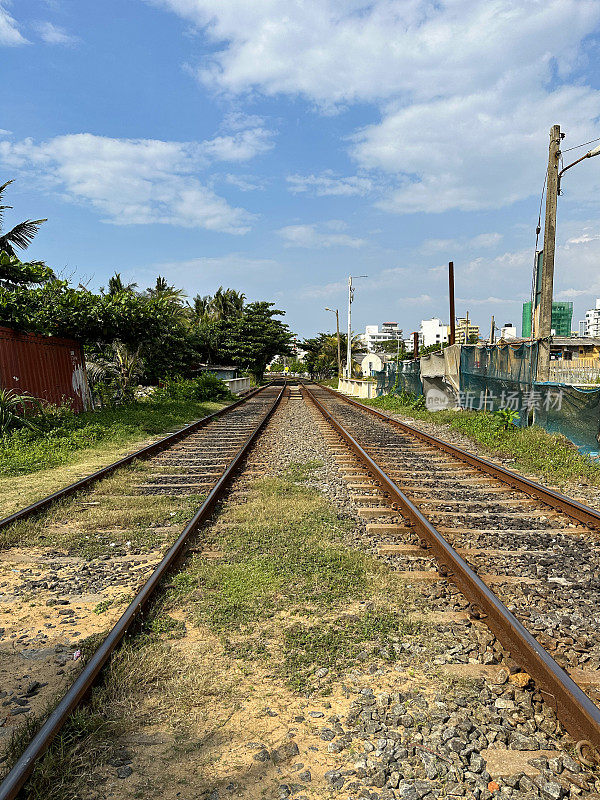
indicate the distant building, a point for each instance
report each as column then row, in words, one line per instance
column 433, row 331
column 574, row 347
column 562, row 318
column 465, row 330
column 374, row 362
column 591, row 325
column 509, row 331
column 373, row 337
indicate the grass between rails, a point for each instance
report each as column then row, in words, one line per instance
column 33, row 465
column 551, row 456
column 285, row 600
column 109, row 518
column 28, row 451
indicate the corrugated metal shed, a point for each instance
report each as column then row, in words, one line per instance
column 46, row 367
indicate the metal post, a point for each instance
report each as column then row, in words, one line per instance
column 337, row 325
column 544, row 311
column 451, row 296
column 348, row 342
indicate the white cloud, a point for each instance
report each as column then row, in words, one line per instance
column 130, row 181
column 327, row 183
column 466, row 243
column 239, row 146
column 340, row 51
column 467, row 88
column 246, row 183
column 310, row 236
column 53, row 34
column 477, row 151
column 10, row 35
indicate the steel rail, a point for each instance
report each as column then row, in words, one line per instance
column 573, row 508
column 16, row 778
column 144, row 452
column 579, row 715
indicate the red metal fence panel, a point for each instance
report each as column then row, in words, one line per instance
column 46, row 367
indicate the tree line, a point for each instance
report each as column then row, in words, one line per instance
column 167, row 333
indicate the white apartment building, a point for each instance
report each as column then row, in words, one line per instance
column 373, row 337
column 508, row 331
column 433, row 331
column 592, row 320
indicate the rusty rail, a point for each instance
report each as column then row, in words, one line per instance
column 573, row 508
column 579, row 715
column 16, row 778
column 144, row 452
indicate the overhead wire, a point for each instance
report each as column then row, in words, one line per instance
column 575, row 147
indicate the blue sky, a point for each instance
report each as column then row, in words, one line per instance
column 279, row 145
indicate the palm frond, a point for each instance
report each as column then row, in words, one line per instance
column 20, row 236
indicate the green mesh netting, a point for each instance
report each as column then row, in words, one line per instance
column 409, row 378
column 499, row 376
column 573, row 412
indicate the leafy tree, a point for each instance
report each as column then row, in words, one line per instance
column 21, row 235
column 390, row 346
column 253, row 338
column 17, row 273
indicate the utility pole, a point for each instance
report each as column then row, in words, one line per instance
column 349, row 342
column 543, row 313
column 349, row 339
column 416, row 344
column 452, row 339
column 492, row 330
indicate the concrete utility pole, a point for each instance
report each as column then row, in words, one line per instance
column 349, row 342
column 416, row 344
column 492, row 330
column 542, row 319
column 337, row 325
column 452, row 338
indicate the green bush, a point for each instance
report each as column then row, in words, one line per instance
column 205, row 387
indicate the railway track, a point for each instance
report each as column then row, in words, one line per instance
column 526, row 559
column 200, row 461
column 507, row 550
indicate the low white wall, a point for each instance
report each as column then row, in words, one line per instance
column 357, row 387
column 238, row 385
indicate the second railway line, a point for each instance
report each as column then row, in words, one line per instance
column 527, row 552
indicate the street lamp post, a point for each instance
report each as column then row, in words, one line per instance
column 349, row 342
column 339, row 351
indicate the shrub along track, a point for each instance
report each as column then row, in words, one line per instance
column 537, row 549
column 52, row 589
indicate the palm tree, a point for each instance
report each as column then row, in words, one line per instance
column 201, row 307
column 116, row 285
column 22, row 234
column 227, row 303
column 162, row 289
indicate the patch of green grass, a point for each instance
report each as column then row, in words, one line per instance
column 549, row 455
column 280, row 547
column 27, row 451
column 336, row 644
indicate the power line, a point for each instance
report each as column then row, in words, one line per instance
column 581, row 145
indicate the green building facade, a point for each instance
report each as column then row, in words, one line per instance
column 562, row 318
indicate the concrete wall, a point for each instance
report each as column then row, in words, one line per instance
column 238, row 385
column 357, row 388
